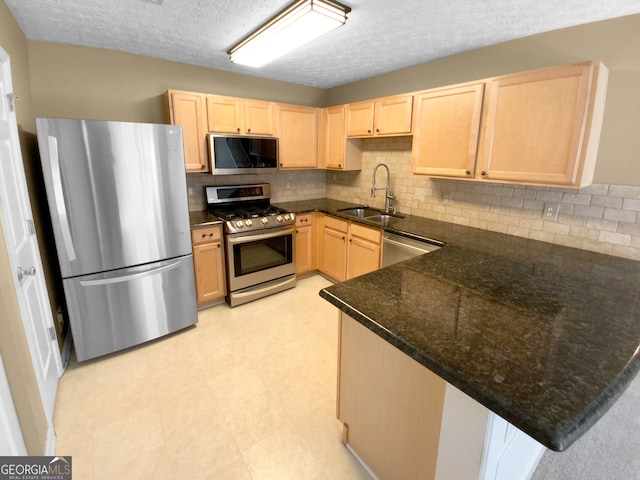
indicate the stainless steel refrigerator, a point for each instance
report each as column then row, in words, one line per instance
column 118, row 202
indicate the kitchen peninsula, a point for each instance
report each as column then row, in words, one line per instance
column 544, row 336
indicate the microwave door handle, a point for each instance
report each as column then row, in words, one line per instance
column 58, row 194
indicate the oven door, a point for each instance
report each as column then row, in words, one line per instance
column 258, row 257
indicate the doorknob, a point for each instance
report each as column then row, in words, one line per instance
column 22, row 272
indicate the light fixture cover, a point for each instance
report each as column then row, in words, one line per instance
column 299, row 23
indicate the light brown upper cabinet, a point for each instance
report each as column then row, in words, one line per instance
column 297, row 130
column 339, row 153
column 385, row 116
column 536, row 128
column 446, row 129
column 543, row 127
column 239, row 116
column 187, row 109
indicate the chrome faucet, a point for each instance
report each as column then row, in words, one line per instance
column 388, row 195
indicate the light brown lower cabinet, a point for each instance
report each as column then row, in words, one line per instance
column 348, row 249
column 208, row 262
column 305, row 244
column 333, row 250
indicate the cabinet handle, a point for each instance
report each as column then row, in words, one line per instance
column 207, row 235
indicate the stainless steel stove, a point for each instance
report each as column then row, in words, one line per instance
column 259, row 239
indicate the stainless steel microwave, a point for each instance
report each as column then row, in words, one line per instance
column 237, row 155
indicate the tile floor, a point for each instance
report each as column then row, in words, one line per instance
column 248, row 393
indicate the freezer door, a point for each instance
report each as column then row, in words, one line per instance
column 116, row 192
column 116, row 310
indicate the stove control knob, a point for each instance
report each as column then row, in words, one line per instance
column 279, row 219
column 286, row 217
column 248, row 223
column 239, row 224
column 264, row 220
column 292, row 216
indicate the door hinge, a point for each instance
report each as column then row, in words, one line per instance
column 52, row 333
column 10, row 102
column 31, row 227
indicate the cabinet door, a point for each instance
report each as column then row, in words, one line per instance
column 258, row 117
column 187, row 109
column 359, row 119
column 333, row 252
column 208, row 261
column 298, row 136
column 393, row 115
column 364, row 257
column 364, row 250
column 446, row 130
column 209, row 268
column 334, row 137
column 305, row 244
column 224, row 115
column 535, row 125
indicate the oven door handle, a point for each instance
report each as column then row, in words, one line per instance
column 261, row 236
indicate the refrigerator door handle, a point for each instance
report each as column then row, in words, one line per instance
column 127, row 278
column 61, row 206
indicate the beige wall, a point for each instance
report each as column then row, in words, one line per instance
column 616, row 42
column 13, row 342
column 81, row 82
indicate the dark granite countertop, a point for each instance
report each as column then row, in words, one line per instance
column 202, row 219
column 546, row 336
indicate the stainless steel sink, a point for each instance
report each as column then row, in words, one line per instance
column 361, row 212
column 370, row 214
column 383, row 218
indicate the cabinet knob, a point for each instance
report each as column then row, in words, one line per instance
column 483, row 173
column 468, row 172
column 238, row 129
column 368, row 131
column 248, row 130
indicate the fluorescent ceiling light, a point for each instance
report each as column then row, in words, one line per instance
column 299, row 23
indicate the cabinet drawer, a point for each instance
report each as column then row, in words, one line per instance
column 372, row 234
column 304, row 220
column 336, row 223
column 206, row 234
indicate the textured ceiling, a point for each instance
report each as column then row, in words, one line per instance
column 380, row 35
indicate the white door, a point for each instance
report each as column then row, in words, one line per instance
column 11, row 441
column 24, row 254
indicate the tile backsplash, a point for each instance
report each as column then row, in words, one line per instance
column 285, row 186
column 601, row 218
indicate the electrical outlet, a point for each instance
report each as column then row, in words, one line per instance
column 551, row 211
column 446, row 198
